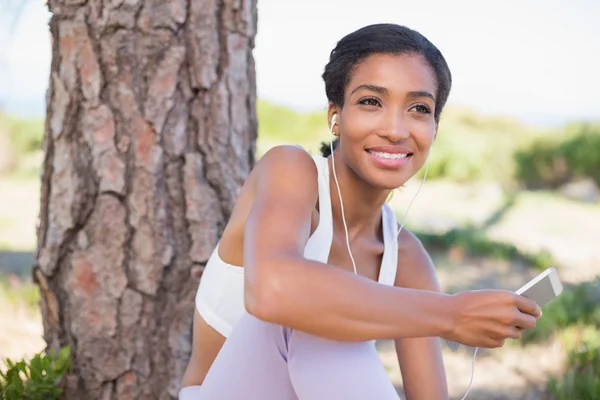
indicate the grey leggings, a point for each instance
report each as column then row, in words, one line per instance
column 263, row 361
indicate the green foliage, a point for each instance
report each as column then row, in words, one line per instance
column 470, row 146
column 541, row 166
column 38, row 379
column 581, row 379
column 475, row 243
column 26, row 135
column 582, row 153
column 550, row 162
column 281, row 125
column 575, row 318
column 20, row 142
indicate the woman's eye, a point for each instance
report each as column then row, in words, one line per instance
column 370, row 102
column 422, row 108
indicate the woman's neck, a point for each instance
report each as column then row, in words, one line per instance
column 362, row 202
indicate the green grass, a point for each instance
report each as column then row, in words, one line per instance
column 17, row 292
column 476, row 244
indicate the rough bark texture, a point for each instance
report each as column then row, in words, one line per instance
column 151, row 131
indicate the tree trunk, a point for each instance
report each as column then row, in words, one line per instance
column 151, row 130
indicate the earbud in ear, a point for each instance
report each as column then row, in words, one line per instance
column 334, row 119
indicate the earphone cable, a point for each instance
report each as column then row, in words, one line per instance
column 399, row 229
column 472, row 373
column 337, row 185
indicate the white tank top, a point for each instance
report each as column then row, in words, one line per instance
column 220, row 295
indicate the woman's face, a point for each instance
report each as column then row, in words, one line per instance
column 387, row 123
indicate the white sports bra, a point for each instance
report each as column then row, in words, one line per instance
column 220, row 295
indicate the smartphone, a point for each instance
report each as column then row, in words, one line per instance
column 543, row 288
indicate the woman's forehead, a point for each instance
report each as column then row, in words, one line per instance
column 396, row 73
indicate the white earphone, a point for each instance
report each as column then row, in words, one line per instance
column 333, row 122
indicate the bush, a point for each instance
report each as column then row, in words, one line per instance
column 550, row 163
column 40, row 379
column 575, row 318
column 541, row 166
column 471, row 146
column 581, row 379
column 582, row 153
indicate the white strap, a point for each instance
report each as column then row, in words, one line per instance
column 389, row 261
column 319, row 244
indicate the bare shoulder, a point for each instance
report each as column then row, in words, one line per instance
column 415, row 266
column 282, row 186
column 283, row 172
column 287, row 159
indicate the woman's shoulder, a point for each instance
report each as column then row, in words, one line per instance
column 283, row 151
column 284, row 175
column 287, row 162
column 415, row 266
column 409, row 243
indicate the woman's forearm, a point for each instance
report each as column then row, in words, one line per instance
column 330, row 302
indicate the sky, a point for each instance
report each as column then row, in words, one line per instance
column 537, row 60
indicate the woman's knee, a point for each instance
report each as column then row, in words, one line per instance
column 326, row 369
column 190, row 393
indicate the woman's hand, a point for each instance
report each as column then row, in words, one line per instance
column 486, row 318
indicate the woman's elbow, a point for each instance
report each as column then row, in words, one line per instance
column 261, row 299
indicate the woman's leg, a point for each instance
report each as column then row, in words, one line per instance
column 263, row 361
column 190, row 393
column 322, row 369
column 251, row 364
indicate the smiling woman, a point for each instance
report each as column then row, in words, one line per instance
column 311, row 270
column 388, row 115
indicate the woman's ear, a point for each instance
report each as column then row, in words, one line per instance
column 332, row 113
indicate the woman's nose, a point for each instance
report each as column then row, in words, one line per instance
column 397, row 129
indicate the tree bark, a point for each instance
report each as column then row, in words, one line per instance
column 151, row 130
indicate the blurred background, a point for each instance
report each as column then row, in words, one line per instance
column 513, row 186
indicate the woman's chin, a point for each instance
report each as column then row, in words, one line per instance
column 388, row 183
column 390, row 180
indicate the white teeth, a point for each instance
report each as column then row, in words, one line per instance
column 393, row 156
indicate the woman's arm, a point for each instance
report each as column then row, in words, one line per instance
column 420, row 359
column 283, row 287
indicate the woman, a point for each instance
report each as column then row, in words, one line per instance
column 324, row 273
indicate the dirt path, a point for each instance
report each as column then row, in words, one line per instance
column 21, row 333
